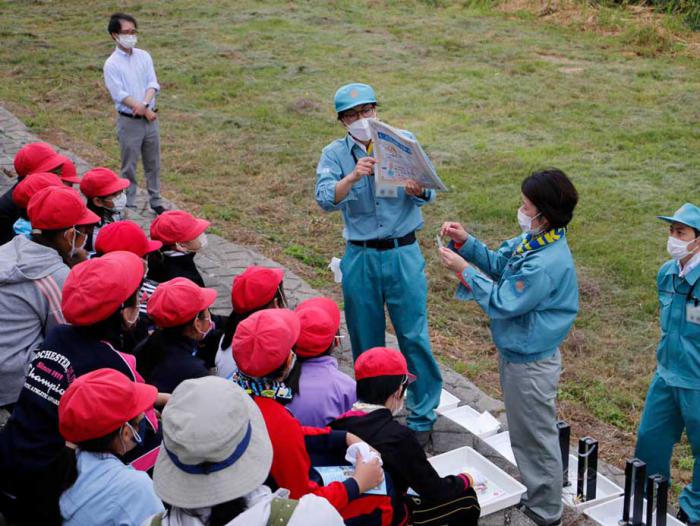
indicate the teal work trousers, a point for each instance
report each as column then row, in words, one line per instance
column 667, row 411
column 373, row 278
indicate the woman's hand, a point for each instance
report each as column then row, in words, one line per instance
column 452, row 260
column 368, row 475
column 454, row 231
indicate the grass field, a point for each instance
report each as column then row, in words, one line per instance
column 246, row 107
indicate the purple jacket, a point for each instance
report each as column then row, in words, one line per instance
column 325, row 393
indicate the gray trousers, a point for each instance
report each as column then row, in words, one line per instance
column 529, row 393
column 140, row 138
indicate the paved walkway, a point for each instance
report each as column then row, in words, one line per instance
column 221, row 260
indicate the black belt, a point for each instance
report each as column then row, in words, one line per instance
column 387, row 244
column 132, row 116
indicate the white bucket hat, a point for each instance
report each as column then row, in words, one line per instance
column 215, row 445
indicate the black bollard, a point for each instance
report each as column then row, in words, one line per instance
column 638, row 505
column 635, row 472
column 657, row 493
column 587, row 469
column 564, row 438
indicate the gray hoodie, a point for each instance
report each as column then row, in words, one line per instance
column 31, row 279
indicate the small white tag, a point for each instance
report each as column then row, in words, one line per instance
column 692, row 312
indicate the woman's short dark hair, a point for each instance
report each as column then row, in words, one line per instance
column 554, row 195
column 115, row 22
column 378, row 389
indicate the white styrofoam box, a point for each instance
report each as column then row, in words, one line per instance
column 606, row 489
column 498, row 489
column 447, row 401
column 481, row 424
column 610, row 513
column 501, row 443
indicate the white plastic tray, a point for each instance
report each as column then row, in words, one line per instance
column 606, row 489
column 501, row 443
column 501, row 491
column 610, row 513
column 482, row 425
column 447, row 401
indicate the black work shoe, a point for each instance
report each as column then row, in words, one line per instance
column 537, row 519
column 158, row 209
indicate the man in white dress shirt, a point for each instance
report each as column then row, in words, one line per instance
column 132, row 83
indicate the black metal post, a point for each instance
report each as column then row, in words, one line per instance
column 633, row 500
column 657, row 493
column 640, row 471
column 592, row 471
column 564, row 439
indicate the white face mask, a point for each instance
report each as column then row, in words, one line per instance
column 525, row 221
column 360, row 130
column 203, row 241
column 677, row 248
column 119, row 203
column 128, row 41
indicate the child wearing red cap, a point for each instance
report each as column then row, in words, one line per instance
column 382, row 379
column 32, row 272
column 182, row 235
column 105, row 195
column 262, row 348
column 32, row 158
column 100, row 302
column 324, row 392
column 180, row 310
column 102, row 413
column 23, row 192
column 256, row 288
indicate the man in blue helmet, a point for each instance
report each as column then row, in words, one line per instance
column 673, row 400
column 383, row 263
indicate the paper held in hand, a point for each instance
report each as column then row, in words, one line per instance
column 400, row 159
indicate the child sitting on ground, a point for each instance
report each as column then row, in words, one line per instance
column 382, row 378
column 180, row 310
column 182, row 235
column 105, row 195
column 255, row 289
column 262, row 348
column 216, row 478
column 324, row 392
column 102, row 413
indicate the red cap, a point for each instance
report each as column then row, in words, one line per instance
column 178, row 301
column 37, row 157
column 124, row 235
column 381, row 361
column 264, row 340
column 31, row 184
column 100, row 182
column 58, row 207
column 319, row 319
column 255, row 288
column 96, row 288
column 177, row 226
column 68, row 172
column 100, row 402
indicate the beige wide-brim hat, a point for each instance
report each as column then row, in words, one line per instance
column 215, row 445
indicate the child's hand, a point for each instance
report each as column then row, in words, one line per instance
column 368, row 475
column 453, row 261
column 455, row 231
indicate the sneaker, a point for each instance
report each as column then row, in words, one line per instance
column 158, row 209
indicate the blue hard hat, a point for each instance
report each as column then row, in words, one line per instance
column 688, row 214
column 352, row 95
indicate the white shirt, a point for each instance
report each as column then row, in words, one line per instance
column 130, row 75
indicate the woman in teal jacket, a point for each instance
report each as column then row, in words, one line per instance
column 529, row 291
column 673, row 400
